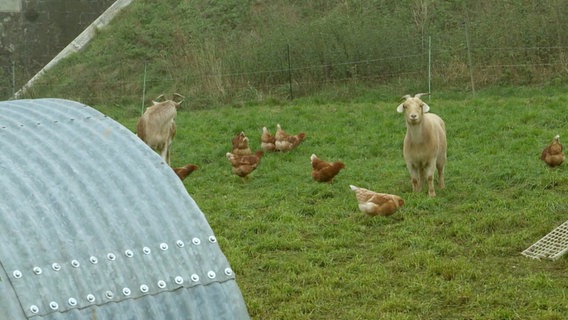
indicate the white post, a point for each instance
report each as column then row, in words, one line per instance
column 143, row 89
column 429, row 67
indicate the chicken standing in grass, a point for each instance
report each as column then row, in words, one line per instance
column 267, row 140
column 377, row 204
column 324, row 171
column 286, row 142
column 183, row 172
column 553, row 155
column 242, row 166
column 241, row 144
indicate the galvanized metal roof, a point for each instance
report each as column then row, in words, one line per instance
column 93, row 224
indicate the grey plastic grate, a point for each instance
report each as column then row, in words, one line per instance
column 551, row 246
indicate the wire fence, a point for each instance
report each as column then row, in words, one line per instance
column 431, row 70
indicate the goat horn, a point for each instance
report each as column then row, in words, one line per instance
column 406, row 96
column 418, row 95
column 177, row 95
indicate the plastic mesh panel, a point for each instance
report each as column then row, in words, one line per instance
column 551, row 246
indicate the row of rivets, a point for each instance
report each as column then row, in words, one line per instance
column 125, row 291
column 112, row 257
column 39, row 123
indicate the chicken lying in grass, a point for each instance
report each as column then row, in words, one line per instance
column 241, row 144
column 323, row 171
column 377, row 204
column 267, row 140
column 286, row 142
column 183, row 172
column 553, row 155
column 244, row 165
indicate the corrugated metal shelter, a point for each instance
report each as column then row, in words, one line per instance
column 93, row 224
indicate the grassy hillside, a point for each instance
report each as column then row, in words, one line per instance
column 302, row 250
column 234, row 51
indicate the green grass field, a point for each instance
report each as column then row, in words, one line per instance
column 302, row 250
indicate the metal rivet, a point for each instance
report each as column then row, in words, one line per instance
column 90, row 298
column 144, row 288
column 109, row 294
column 212, row 239
column 56, row 266
column 129, row 253
column 146, row 250
column 180, row 244
column 228, row 271
column 34, row 308
column 72, row 302
column 164, row 246
column 17, row 274
column 126, row 291
column 37, row 270
column 161, row 284
column 111, row 256
column 178, row 280
column 75, row 263
column 93, row 260
column 194, row 277
column 53, row 305
column 211, row 275
column 196, row 241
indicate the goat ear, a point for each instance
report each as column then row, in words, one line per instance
column 425, row 107
column 400, row 108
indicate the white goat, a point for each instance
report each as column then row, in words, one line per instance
column 424, row 143
column 157, row 126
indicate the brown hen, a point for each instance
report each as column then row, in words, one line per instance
column 285, row 141
column 241, row 144
column 553, row 155
column 244, row 165
column 377, row 204
column 267, row 140
column 183, row 172
column 323, row 171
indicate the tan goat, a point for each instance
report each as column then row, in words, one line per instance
column 157, row 126
column 424, row 144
